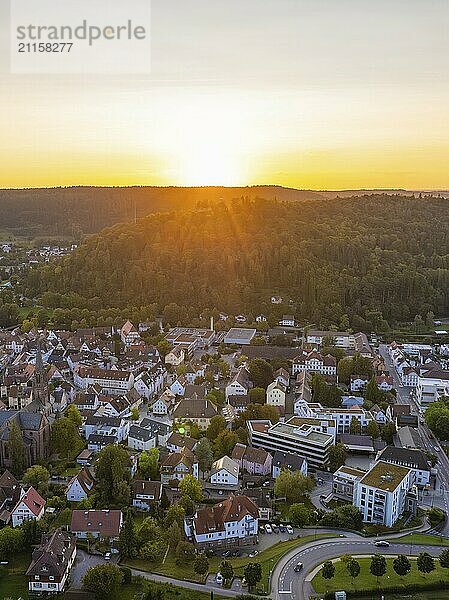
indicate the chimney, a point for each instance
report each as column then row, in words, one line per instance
column 212, row 323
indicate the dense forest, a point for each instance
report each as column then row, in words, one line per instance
column 75, row 211
column 365, row 259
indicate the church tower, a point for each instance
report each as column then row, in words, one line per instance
column 41, row 395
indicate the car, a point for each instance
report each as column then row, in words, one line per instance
column 437, row 448
column 226, row 554
column 219, row 578
column 266, row 483
column 268, row 528
column 275, row 528
column 297, row 568
column 107, row 556
column 253, row 553
column 235, row 553
column 282, row 528
column 382, row 544
column 289, row 529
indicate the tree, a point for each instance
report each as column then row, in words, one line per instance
column 387, row 432
column 260, row 372
column 65, row 438
column 153, row 551
column 135, row 413
column 16, row 449
column 353, row 568
column 401, row 565
column 149, row 531
column 257, row 412
column 355, row 427
column 32, row 533
column 343, row 517
column 372, row 429
column 444, row 558
column 205, row 454
column 11, row 541
column 378, row 566
column 216, row 425
column 36, row 475
column 437, row 419
column 174, row 535
column 372, row 393
column 185, row 552
column 112, row 474
column 425, row 562
column 257, row 395
column 104, row 581
column 149, row 463
column 191, row 487
column 127, row 544
column 175, row 514
column 201, row 565
column 73, row 414
column 252, row 574
column 299, row 515
column 328, row 570
column 337, row 456
column 292, row 485
column 224, row 443
column 226, row 570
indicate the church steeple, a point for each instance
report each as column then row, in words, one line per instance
column 40, row 386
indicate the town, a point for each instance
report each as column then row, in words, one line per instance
column 208, row 459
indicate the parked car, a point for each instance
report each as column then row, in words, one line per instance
column 107, row 556
column 268, row 528
column 235, row 553
column 275, row 528
column 282, row 528
column 253, row 553
column 289, row 529
column 382, row 544
column 219, row 578
column 226, row 554
column 297, row 568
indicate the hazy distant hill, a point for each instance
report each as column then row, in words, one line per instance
column 370, row 258
column 74, row 211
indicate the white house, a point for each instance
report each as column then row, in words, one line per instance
column 287, row 321
column 129, row 334
column 358, row 383
column 31, row 506
column 98, row 523
column 146, row 494
column 80, row 486
column 314, row 362
column 276, row 394
column 233, row 522
column 175, row 357
column 225, row 471
column 240, row 384
column 411, row 458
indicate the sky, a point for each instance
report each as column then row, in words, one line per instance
column 320, row 94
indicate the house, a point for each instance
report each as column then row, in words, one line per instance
column 51, row 564
column 343, row 481
column 287, row 321
column 255, row 461
column 432, row 386
column 195, row 410
column 110, row 381
column 283, row 376
column 177, row 465
column 378, row 415
column 413, row 459
column 225, row 471
column 141, row 439
column 232, row 522
column 175, row 357
column 97, row 523
column 80, row 486
column 150, row 382
column 178, row 387
column 263, row 500
column 349, row 401
column 146, row 494
column 276, row 395
column 240, row 336
column 30, row 507
column 384, row 382
column 176, row 442
column 240, row 384
column 163, row 405
column 358, row 383
column 288, row 460
column 85, row 457
column 383, row 493
column 129, row 334
column 314, row 362
column 117, row 427
column 238, row 403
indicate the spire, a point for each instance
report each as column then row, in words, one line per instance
column 39, row 359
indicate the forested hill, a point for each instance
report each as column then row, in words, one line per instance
column 74, row 211
column 332, row 257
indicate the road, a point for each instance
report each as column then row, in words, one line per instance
column 440, row 496
column 288, row 585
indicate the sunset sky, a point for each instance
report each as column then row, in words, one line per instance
column 321, row 94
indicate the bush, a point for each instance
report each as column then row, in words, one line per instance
column 127, row 575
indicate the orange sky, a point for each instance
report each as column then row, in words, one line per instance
column 312, row 94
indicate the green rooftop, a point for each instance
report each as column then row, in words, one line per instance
column 385, row 476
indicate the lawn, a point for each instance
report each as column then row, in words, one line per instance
column 366, row 581
column 268, row 558
column 421, row 539
column 13, row 583
column 134, row 591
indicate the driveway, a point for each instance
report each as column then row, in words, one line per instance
column 83, row 563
